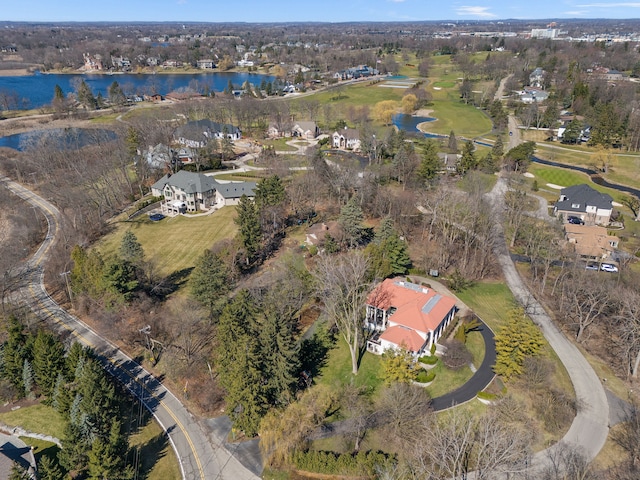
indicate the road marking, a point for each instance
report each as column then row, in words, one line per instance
column 32, row 198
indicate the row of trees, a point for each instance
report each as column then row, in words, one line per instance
column 74, row 383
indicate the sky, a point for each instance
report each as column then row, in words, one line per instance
column 318, row 11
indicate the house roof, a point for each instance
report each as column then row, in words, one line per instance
column 583, row 195
column 403, row 336
column 190, row 182
column 201, row 130
column 306, row 126
column 590, row 241
column 416, row 307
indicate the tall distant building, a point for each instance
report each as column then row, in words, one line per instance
column 544, row 32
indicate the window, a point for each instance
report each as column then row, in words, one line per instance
column 575, row 205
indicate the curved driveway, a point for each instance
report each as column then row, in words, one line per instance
column 590, row 427
column 199, row 456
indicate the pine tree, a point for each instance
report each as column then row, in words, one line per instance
column 518, row 339
column 453, row 143
column 210, row 282
column 430, row 164
column 468, row 160
column 130, row 249
column 248, row 220
column 497, row 151
column 270, row 192
column 15, row 351
column 107, row 456
column 58, row 94
column 18, row 472
column 48, row 469
column 27, row 378
column 350, row 220
column 48, row 362
column 240, row 365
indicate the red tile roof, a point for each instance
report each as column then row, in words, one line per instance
column 417, row 307
column 403, row 336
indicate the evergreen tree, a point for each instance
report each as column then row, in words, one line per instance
column 518, row 339
column 120, row 280
column 27, row 378
column 14, row 353
column 58, row 94
column 48, row 362
column 350, row 220
column 107, row 456
column 130, row 249
column 330, row 245
column 519, row 157
column 248, row 221
column 85, row 96
column 133, row 141
column 230, row 88
column 210, row 282
column 453, row 143
column 497, row 151
column 18, row 472
column 48, row 469
column 74, row 356
column 240, row 365
column 270, row 192
column 116, row 95
column 430, row 164
column 487, row 164
column 572, row 131
column 73, row 455
column 389, row 254
column 468, row 160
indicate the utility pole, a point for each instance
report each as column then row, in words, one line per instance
column 66, row 279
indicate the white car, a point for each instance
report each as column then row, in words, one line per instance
column 607, row 267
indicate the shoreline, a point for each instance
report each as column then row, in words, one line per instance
column 25, row 72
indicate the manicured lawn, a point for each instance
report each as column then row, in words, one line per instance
column 464, row 120
column 36, row 418
column 337, row 370
column 490, row 301
column 174, row 243
column 280, row 144
column 448, row 84
column 447, row 380
column 359, row 94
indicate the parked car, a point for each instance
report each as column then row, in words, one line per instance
column 575, row 220
column 156, row 217
column 607, row 267
column 592, row 266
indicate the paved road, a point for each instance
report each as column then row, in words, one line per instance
column 590, row 428
column 478, row 382
column 200, row 457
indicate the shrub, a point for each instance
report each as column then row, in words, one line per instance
column 486, row 396
column 433, row 349
column 428, row 359
column 425, row 377
column 330, row 463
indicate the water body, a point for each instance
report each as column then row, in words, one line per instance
column 35, row 91
column 409, row 124
column 58, row 138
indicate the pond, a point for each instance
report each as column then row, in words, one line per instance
column 60, row 138
column 409, row 124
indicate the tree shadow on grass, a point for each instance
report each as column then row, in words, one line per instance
column 147, row 455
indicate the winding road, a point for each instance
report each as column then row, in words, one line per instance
column 590, row 427
column 200, row 456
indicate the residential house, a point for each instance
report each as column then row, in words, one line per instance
column 450, row 161
column 582, row 201
column 122, row 63
column 591, row 242
column 406, row 315
column 92, row 62
column 349, row 139
column 206, row 64
column 307, row 130
column 190, row 192
column 161, row 156
column 196, row 134
column 536, row 78
column 356, row 72
column 533, row 95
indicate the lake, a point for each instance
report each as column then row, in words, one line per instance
column 60, row 138
column 409, row 124
column 35, row 91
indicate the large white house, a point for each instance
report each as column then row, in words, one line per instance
column 349, row 138
column 406, row 315
column 190, row 192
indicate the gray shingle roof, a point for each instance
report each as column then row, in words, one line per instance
column 200, row 130
column 191, row 182
column 583, row 195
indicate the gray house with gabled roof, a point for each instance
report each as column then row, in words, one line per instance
column 582, row 201
column 190, row 192
column 196, row 134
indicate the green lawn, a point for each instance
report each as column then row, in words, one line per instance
column 444, row 84
column 37, row 418
column 358, row 95
column 157, row 458
column 337, row 370
column 174, row 244
column 280, row 144
column 464, row 120
column 447, row 380
column 490, row 301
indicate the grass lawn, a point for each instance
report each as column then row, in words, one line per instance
column 444, row 84
column 447, row 380
column 37, row 418
column 174, row 244
column 280, row 144
column 358, row 95
column 337, row 370
column 157, row 458
column 490, row 301
column 464, row 120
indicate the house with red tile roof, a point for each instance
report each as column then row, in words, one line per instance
column 406, row 315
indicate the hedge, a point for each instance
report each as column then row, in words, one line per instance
column 428, row 359
column 362, row 464
column 425, row 377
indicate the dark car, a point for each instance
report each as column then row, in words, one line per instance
column 575, row 221
column 156, row 217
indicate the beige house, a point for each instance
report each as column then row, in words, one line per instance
column 583, row 202
column 591, row 242
column 191, row 192
column 348, row 139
